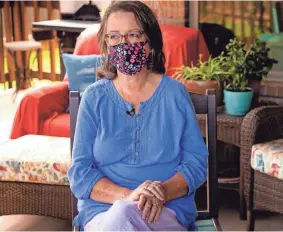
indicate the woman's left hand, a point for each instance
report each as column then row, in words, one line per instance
column 151, row 206
column 155, row 211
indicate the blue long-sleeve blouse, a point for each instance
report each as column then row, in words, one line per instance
column 164, row 138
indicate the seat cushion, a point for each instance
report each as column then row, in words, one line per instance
column 25, row 45
column 268, row 158
column 57, row 125
column 35, row 159
column 205, row 225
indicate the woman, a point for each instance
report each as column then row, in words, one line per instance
column 138, row 153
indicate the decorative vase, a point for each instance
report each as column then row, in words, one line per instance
column 200, row 87
column 238, row 103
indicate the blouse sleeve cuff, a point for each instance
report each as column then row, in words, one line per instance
column 180, row 169
column 93, row 182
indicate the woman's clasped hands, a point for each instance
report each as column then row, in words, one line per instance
column 150, row 197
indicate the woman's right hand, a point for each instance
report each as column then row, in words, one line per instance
column 148, row 188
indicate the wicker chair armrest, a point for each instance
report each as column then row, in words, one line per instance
column 260, row 125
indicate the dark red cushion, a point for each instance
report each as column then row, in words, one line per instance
column 57, row 125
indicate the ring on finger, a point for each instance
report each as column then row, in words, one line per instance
column 158, row 185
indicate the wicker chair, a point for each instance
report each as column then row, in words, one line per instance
column 35, row 199
column 260, row 190
column 55, row 200
column 204, row 104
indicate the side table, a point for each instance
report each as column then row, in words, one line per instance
column 24, row 47
column 228, row 131
column 261, row 122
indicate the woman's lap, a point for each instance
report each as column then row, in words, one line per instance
column 125, row 216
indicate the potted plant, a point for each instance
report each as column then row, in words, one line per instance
column 237, row 96
column 207, row 75
column 258, row 65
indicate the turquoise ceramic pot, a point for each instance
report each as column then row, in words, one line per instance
column 237, row 103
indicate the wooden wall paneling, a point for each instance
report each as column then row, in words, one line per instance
column 243, row 15
column 262, row 14
column 204, row 5
column 233, row 15
column 36, row 9
column 52, row 44
column 43, row 4
column 17, row 30
column 242, row 20
column 56, row 5
column 253, row 21
column 213, row 10
column 24, row 20
column 223, row 18
column 18, row 35
column 25, row 34
column 9, row 37
column 269, row 18
column 2, row 77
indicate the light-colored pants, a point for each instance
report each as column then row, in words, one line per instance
column 125, row 216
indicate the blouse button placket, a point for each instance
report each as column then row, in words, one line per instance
column 137, row 136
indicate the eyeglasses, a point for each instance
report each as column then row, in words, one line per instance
column 113, row 39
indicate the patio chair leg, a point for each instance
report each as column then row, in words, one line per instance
column 251, row 211
column 243, row 207
column 251, row 220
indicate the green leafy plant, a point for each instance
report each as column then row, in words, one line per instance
column 244, row 65
column 258, row 62
column 235, row 68
column 234, row 64
column 212, row 69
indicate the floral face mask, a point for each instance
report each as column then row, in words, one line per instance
column 128, row 58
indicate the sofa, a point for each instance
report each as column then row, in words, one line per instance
column 43, row 110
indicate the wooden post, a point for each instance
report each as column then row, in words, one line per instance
column 25, row 33
column 9, row 36
column 17, row 37
column 2, row 77
column 24, row 20
column 39, row 53
column 35, row 10
column 194, row 14
column 17, row 30
column 52, row 44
